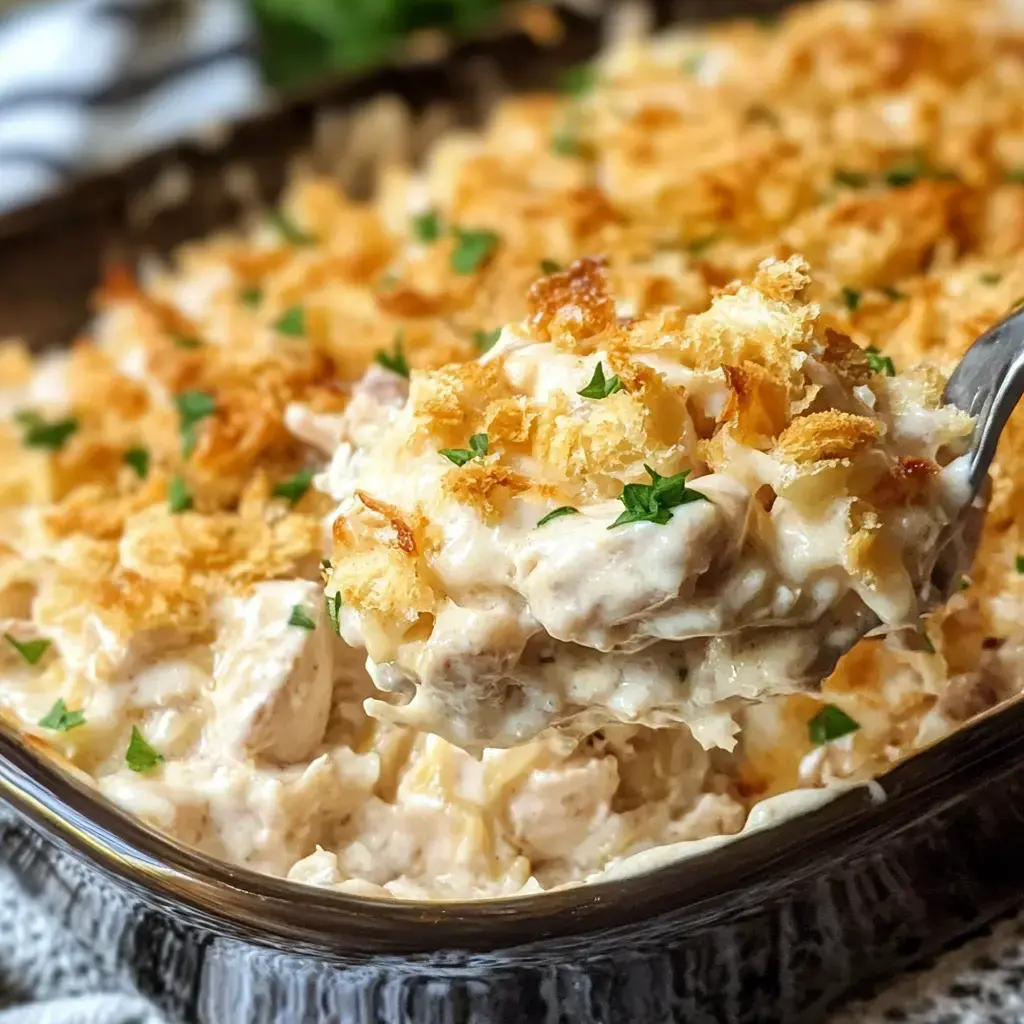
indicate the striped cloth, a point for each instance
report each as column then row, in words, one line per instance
column 86, row 83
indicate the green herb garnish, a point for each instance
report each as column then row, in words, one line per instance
column 140, row 756
column 472, row 250
column 186, row 341
column 851, row 179
column 60, row 718
column 1020, row 564
column 692, row 63
column 394, row 361
column 565, row 142
column 486, row 340
column 699, row 246
column 893, row 293
column 651, row 503
column 292, row 322
column 138, row 459
column 990, row 278
column 565, row 510
column 851, row 298
column 460, row 456
column 550, row 267
column 1015, row 174
column 427, row 226
column 599, row 387
column 830, row 723
column 300, row 618
column 178, row 497
column 30, row 650
column 578, row 80
column 289, row 230
column 40, row 434
column 251, row 296
column 294, row 487
column 879, row 363
column 334, row 610
column 193, row 406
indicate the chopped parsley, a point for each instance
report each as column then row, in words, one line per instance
column 40, row 434
column 193, row 406
column 30, row 650
column 651, row 503
column 830, row 723
column 486, row 340
column 1020, row 564
column 60, row 718
column 472, row 250
column 578, row 80
column 334, row 610
column 851, row 298
column 550, row 267
column 394, row 361
column 138, row 459
column 965, row 583
column 692, row 63
column 292, row 322
column 565, row 142
column 1015, row 174
column 294, row 487
column 300, row 618
column 893, row 293
column 906, row 172
column 427, row 226
column 565, row 510
column 251, row 296
column 699, row 246
column 851, row 179
column 599, row 387
column 460, row 456
column 140, row 756
column 880, row 363
column 178, row 497
column 990, row 278
column 186, row 341
column 289, row 230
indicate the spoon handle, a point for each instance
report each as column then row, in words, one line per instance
column 987, row 383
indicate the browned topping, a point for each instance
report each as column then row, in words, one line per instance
column 572, row 306
column 826, row 435
column 404, row 537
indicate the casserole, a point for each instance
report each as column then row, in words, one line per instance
column 472, row 998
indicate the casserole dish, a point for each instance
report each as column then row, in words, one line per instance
column 774, row 927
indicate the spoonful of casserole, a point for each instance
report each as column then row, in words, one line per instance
column 654, row 520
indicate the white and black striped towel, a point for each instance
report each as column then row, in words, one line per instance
column 86, row 83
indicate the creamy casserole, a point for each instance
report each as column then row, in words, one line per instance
column 287, row 567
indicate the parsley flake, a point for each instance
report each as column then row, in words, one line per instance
column 990, row 278
column 565, row 142
column 578, row 80
column 879, row 363
column 486, row 340
column 427, row 226
column 851, row 179
column 692, row 63
column 178, row 497
column 472, row 250
column 1020, row 564
column 30, row 650
column 333, row 603
column 251, row 296
column 652, row 502
column 138, row 459
column 294, row 487
column 300, row 618
column 565, row 510
column 460, row 456
column 140, row 756
column 193, row 406
column 186, row 341
column 1015, row 174
column 893, row 293
column 599, row 387
column 830, row 723
column 292, row 322
column 394, row 361
column 699, row 246
column 40, row 434
column 60, row 718
column 550, row 267
column 851, row 298
column 289, row 230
